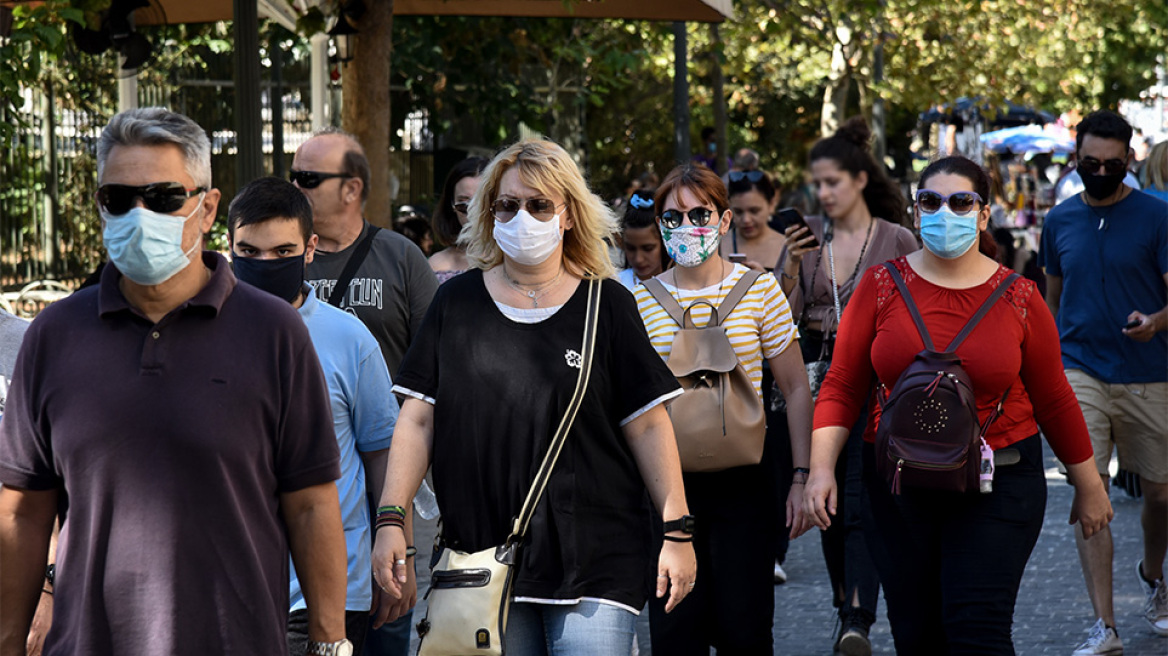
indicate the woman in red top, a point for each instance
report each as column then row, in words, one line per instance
column 951, row 563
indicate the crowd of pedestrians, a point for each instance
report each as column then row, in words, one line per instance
column 247, row 485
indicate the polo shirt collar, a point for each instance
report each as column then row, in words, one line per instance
column 212, row 296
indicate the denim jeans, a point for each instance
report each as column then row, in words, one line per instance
column 392, row 639
column 951, row 563
column 587, row 628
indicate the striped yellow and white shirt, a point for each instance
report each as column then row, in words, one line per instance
column 759, row 328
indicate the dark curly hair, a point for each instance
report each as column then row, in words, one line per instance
column 848, row 148
column 446, row 223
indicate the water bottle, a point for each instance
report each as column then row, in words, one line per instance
column 425, row 502
column 986, row 472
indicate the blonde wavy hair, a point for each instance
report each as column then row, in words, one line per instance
column 545, row 166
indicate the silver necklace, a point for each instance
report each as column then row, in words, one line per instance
column 538, row 291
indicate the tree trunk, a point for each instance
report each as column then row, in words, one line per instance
column 716, row 47
column 835, row 96
column 365, row 114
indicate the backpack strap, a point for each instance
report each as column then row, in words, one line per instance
column 736, row 293
column 665, row 300
column 981, row 312
column 911, row 305
column 351, row 265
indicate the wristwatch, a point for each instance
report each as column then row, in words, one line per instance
column 339, row 648
column 51, row 573
column 685, row 524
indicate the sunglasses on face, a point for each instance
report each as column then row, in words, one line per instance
column 961, row 202
column 739, row 176
column 505, row 209
column 312, row 179
column 163, row 197
column 1091, row 166
column 698, row 216
column 462, row 208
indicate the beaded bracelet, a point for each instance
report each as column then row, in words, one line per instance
column 390, row 516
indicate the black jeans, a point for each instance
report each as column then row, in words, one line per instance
column 778, row 436
column 951, row 563
column 845, row 547
column 355, row 623
column 732, row 607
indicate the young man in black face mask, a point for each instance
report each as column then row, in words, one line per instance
column 270, row 231
column 1105, row 253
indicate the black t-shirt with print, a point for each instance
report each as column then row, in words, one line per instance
column 500, row 389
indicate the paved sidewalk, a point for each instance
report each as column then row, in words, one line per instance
column 1052, row 615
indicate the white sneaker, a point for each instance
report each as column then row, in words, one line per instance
column 780, row 574
column 1156, row 605
column 1101, row 640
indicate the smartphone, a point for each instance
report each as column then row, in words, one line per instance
column 790, row 216
column 1134, row 323
column 737, row 258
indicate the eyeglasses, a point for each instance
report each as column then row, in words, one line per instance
column 739, row 176
column 164, row 197
column 505, row 209
column 1091, row 166
column 461, row 208
column 312, row 179
column 698, row 216
column 961, row 202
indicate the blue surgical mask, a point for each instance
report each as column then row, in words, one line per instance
column 949, row 235
column 146, row 246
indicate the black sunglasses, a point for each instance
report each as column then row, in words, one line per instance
column 461, row 208
column 961, row 202
column 505, row 209
column 739, row 176
column 1091, row 166
column 698, row 216
column 164, row 197
column 312, row 179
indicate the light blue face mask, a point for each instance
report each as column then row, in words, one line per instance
column 949, row 235
column 146, row 246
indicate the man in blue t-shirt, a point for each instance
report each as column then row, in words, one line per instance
column 270, row 231
column 1105, row 253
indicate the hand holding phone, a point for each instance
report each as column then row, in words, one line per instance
column 737, row 258
column 1134, row 323
column 789, row 216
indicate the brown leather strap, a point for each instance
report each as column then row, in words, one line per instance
column 736, row 293
column 665, row 299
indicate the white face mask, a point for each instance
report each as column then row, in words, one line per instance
column 526, row 239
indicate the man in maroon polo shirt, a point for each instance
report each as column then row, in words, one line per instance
column 179, row 423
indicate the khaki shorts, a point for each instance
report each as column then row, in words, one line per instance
column 1131, row 418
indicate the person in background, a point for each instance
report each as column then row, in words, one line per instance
column 1105, row 253
column 819, row 270
column 644, row 251
column 951, row 562
column 415, row 227
column 735, row 509
column 753, row 198
column 12, row 330
column 512, row 325
column 269, row 230
column 1155, row 171
column 453, row 205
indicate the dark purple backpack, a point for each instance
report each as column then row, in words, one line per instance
column 929, row 436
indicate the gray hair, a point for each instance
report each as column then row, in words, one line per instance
column 157, row 126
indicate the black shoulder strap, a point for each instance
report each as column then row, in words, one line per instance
column 911, row 305
column 350, row 270
column 665, row 300
column 981, row 312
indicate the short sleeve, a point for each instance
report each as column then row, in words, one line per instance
column 422, row 287
column 418, row 374
column 1048, row 256
column 777, row 329
column 26, row 450
column 639, row 376
column 375, row 408
column 306, row 446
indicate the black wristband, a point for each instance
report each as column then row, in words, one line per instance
column 411, row 552
column 687, row 538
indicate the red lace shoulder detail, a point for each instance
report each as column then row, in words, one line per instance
column 1018, row 295
column 885, row 287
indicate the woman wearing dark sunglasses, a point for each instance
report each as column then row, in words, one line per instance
column 733, row 608
column 950, row 562
column 819, row 269
column 486, row 383
column 451, row 216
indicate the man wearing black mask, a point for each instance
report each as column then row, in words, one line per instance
column 1105, row 253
